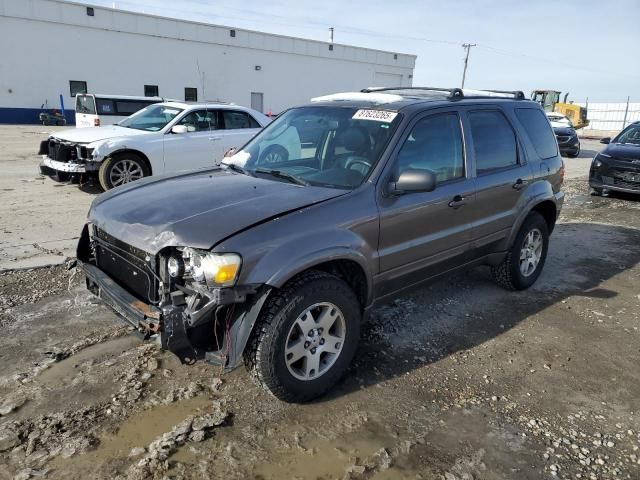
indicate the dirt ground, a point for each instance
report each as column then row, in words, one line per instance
column 457, row 380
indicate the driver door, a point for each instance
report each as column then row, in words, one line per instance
column 425, row 233
column 199, row 147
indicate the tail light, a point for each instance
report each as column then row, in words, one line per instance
column 96, row 122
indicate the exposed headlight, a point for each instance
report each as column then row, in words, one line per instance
column 597, row 163
column 175, row 266
column 216, row 269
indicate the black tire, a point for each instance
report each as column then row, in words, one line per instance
column 117, row 161
column 274, row 154
column 508, row 274
column 265, row 353
column 574, row 154
column 597, row 192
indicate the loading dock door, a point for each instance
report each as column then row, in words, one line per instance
column 388, row 79
column 256, row 101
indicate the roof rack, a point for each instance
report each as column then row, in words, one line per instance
column 454, row 93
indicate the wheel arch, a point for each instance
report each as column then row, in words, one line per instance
column 136, row 152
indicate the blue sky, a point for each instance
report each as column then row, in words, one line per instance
column 587, row 47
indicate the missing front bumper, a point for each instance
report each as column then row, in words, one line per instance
column 172, row 324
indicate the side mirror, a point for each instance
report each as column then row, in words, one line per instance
column 179, row 129
column 413, row 180
column 606, row 140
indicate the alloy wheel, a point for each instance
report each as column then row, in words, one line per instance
column 531, row 252
column 125, row 171
column 315, row 341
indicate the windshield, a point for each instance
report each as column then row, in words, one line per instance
column 630, row 136
column 151, row 119
column 327, row 146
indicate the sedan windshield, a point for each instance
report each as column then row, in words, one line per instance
column 630, row 136
column 327, row 146
column 151, row 118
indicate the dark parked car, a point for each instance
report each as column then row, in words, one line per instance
column 276, row 264
column 568, row 141
column 617, row 167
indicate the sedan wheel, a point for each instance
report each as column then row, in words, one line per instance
column 125, row 171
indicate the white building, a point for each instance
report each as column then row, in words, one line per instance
column 49, row 47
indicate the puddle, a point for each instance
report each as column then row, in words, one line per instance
column 68, row 368
column 141, row 429
column 316, row 458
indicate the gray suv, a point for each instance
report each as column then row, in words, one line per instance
column 274, row 257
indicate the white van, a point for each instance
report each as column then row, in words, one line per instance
column 94, row 110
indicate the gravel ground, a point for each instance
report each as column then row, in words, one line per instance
column 457, row 380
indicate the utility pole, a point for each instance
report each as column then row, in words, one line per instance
column 467, row 47
column 331, row 35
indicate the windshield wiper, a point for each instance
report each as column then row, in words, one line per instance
column 281, row 174
column 238, row 168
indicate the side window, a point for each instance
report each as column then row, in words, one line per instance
column 199, row 121
column 539, row 131
column 494, row 142
column 435, row 144
column 105, row 106
column 234, row 119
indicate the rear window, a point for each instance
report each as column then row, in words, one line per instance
column 85, row 104
column 234, row 119
column 539, row 131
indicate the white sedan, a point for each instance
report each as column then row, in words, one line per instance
column 161, row 138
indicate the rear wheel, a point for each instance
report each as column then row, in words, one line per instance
column 120, row 169
column 305, row 337
column 575, row 153
column 524, row 261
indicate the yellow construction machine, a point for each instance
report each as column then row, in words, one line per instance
column 550, row 101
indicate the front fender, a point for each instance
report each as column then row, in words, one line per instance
column 280, row 264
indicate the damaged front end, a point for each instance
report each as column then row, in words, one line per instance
column 186, row 298
column 64, row 156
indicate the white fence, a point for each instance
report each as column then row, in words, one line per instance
column 611, row 116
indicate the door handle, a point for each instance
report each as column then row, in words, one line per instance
column 520, row 183
column 457, row 202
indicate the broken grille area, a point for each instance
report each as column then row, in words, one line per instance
column 128, row 266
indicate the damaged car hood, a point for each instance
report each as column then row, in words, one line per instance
column 93, row 134
column 197, row 209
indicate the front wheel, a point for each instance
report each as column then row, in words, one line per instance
column 524, row 261
column 120, row 169
column 305, row 338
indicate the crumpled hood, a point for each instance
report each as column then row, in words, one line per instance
column 93, row 134
column 196, row 209
column 623, row 152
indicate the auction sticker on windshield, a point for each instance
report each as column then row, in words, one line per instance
column 376, row 115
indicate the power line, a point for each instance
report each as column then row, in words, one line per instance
column 467, row 47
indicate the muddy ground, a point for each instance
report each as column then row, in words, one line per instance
column 457, row 380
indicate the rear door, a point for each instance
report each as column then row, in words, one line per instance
column 424, row 233
column 502, row 176
column 85, row 111
column 199, row 147
column 237, row 128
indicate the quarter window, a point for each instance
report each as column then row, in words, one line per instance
column 494, row 142
column 234, row 119
column 77, row 86
column 539, row 131
column 190, row 94
column 434, row 144
column 151, row 90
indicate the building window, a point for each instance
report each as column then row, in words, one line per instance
column 330, row 47
column 77, row 86
column 190, row 94
column 151, row 90
column 232, row 33
column 90, row 11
